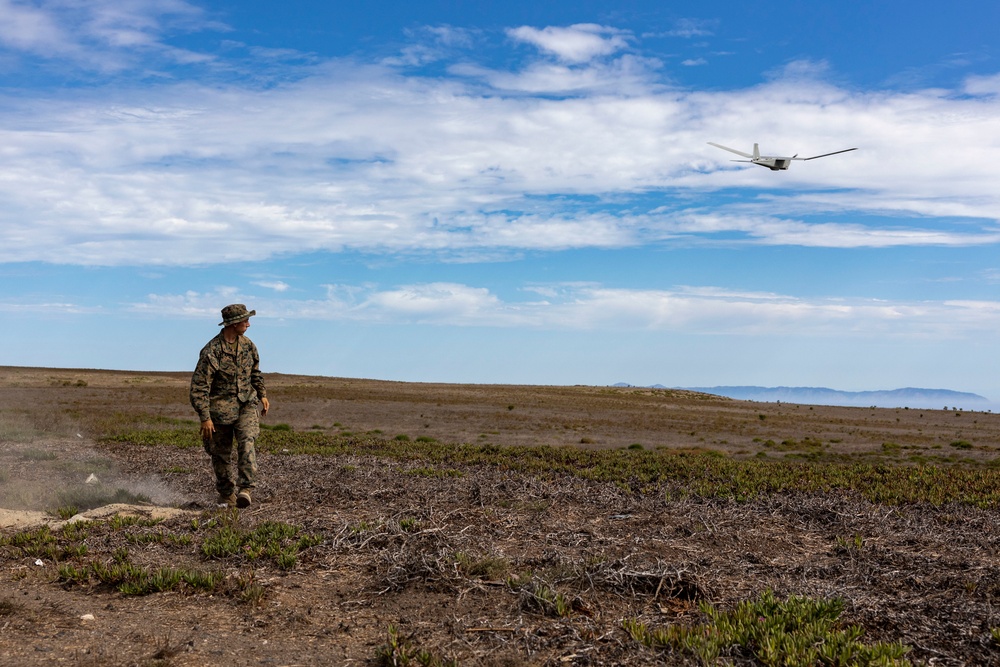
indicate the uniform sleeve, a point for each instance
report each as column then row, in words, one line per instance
column 256, row 377
column 201, row 386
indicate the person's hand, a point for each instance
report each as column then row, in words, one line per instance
column 207, row 431
column 264, row 406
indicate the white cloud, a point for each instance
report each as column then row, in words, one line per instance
column 983, row 85
column 24, row 27
column 704, row 310
column 577, row 43
column 365, row 157
column 275, row 285
column 778, row 231
column 801, row 69
column 445, row 303
column 103, row 35
column 627, row 75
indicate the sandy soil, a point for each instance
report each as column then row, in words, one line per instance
column 430, row 554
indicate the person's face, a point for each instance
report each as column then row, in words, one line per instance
column 240, row 328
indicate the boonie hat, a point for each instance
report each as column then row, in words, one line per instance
column 234, row 313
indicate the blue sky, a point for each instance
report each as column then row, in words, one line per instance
column 506, row 192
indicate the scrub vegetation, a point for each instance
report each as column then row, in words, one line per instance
column 435, row 525
column 675, row 473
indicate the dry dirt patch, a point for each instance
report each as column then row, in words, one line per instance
column 20, row 519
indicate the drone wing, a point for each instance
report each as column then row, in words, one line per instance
column 733, row 150
column 846, row 150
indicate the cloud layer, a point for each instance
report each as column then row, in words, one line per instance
column 584, row 144
column 689, row 310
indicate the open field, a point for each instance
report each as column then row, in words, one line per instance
column 401, row 523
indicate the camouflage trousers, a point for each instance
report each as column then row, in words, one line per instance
column 220, row 448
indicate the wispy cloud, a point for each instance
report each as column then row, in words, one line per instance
column 190, row 303
column 777, row 231
column 683, row 309
column 625, row 76
column 688, row 27
column 275, row 285
column 368, row 156
column 48, row 308
column 102, row 35
column 431, row 44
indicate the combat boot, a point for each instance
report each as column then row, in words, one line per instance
column 227, row 499
column 243, row 498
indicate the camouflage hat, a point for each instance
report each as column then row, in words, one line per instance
column 234, row 313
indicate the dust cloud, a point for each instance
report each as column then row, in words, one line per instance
column 65, row 475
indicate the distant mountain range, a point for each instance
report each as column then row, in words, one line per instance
column 909, row 397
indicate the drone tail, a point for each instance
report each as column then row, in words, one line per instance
column 756, row 152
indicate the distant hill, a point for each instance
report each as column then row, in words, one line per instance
column 911, row 397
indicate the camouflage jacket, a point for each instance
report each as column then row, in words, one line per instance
column 223, row 380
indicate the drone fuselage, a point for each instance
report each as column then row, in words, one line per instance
column 774, row 163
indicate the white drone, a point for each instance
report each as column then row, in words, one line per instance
column 773, row 163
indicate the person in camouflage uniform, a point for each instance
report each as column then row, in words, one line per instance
column 226, row 389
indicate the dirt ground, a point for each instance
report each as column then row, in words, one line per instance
column 432, row 554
